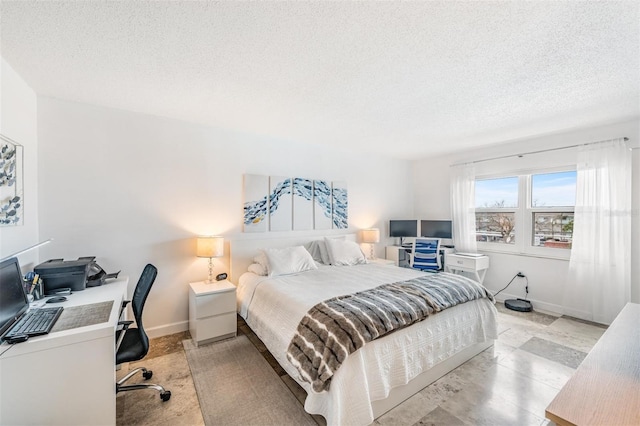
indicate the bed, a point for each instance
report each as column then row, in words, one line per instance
column 385, row 371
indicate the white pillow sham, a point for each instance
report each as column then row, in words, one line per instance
column 261, row 259
column 258, row 269
column 344, row 253
column 318, row 249
column 313, row 247
column 289, row 260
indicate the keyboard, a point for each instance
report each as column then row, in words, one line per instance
column 36, row 322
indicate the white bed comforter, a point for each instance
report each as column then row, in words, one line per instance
column 273, row 307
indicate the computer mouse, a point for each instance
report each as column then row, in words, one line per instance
column 57, row 299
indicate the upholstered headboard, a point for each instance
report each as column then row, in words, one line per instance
column 244, row 249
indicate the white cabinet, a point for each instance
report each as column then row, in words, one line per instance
column 212, row 311
column 476, row 266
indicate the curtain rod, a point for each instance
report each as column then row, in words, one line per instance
column 529, row 153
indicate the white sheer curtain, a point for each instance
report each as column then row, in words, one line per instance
column 599, row 280
column 463, row 197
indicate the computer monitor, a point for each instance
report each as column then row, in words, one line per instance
column 403, row 228
column 437, row 229
column 13, row 299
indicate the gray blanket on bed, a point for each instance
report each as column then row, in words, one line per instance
column 333, row 329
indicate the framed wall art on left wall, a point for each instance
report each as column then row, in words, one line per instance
column 11, row 182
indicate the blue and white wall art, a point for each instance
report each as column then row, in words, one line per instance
column 11, row 183
column 256, row 203
column 322, row 212
column 280, row 205
column 302, row 204
column 340, row 205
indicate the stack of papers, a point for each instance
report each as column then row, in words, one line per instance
column 470, row 254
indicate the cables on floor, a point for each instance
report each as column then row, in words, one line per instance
column 526, row 287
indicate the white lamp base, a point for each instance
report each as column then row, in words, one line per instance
column 210, row 278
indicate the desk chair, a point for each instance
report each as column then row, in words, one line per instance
column 426, row 254
column 133, row 343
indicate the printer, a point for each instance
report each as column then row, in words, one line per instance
column 59, row 273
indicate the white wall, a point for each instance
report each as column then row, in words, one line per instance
column 18, row 121
column 132, row 188
column 546, row 276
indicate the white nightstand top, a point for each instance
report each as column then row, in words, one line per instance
column 203, row 287
column 381, row 261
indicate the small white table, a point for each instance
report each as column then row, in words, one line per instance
column 475, row 265
column 382, row 261
column 212, row 311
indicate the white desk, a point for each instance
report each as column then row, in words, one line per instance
column 401, row 256
column 476, row 266
column 67, row 377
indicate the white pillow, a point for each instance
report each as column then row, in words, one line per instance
column 289, row 260
column 261, row 259
column 326, row 258
column 344, row 253
column 258, row 269
column 313, row 247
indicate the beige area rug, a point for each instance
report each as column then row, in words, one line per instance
column 144, row 407
column 237, row 386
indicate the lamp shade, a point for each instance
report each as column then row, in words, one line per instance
column 210, row 247
column 371, row 236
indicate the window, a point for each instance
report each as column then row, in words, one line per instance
column 496, row 204
column 529, row 213
column 553, row 197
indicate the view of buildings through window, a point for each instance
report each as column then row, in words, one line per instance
column 541, row 204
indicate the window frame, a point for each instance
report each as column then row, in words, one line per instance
column 501, row 246
column 524, row 230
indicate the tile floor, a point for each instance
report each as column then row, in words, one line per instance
column 510, row 383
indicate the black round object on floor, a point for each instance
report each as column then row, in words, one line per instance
column 518, row 305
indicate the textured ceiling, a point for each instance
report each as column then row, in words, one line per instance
column 404, row 79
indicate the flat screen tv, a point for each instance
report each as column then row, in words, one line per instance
column 403, row 228
column 436, row 228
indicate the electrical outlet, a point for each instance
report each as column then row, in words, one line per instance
column 520, row 274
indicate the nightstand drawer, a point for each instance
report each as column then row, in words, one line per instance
column 215, row 328
column 467, row 262
column 216, row 304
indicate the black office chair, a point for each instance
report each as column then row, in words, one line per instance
column 133, row 343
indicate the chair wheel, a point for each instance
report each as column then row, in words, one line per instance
column 147, row 374
column 165, row 396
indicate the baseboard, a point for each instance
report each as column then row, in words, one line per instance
column 167, row 329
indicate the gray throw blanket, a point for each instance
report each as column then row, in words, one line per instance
column 333, row 329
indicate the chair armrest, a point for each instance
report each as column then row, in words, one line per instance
column 123, row 307
column 120, row 331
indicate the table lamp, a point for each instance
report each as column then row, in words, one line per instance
column 371, row 236
column 210, row 247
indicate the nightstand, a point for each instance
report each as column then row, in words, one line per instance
column 475, row 265
column 212, row 311
column 382, row 261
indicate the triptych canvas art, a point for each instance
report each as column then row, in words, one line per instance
column 280, row 203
